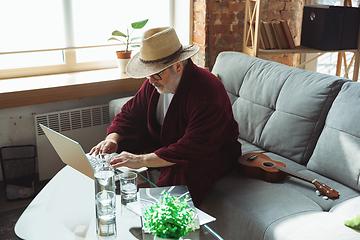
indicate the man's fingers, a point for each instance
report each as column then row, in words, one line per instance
column 117, row 161
column 94, row 151
column 117, row 165
column 106, row 147
column 102, row 147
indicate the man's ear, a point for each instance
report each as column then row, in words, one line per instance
column 178, row 67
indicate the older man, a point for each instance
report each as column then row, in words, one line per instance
column 180, row 121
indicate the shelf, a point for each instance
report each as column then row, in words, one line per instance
column 300, row 50
column 251, row 42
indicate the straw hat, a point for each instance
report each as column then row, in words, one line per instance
column 160, row 48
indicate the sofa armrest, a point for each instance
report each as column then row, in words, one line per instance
column 116, row 105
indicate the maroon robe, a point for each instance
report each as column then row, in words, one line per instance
column 199, row 132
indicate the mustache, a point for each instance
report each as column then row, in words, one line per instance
column 157, row 85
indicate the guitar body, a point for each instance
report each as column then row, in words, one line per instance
column 258, row 165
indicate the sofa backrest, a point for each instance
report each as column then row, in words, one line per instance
column 278, row 108
column 337, row 151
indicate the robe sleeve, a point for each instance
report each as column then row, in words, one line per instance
column 205, row 135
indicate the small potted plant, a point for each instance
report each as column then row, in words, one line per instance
column 170, row 218
column 125, row 55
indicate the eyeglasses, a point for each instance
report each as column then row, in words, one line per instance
column 157, row 76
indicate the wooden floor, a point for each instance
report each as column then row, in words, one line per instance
column 10, row 205
column 10, row 211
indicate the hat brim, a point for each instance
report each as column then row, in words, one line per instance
column 139, row 69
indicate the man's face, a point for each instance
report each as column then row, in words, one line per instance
column 168, row 83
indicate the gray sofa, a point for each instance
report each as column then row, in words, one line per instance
column 310, row 122
column 307, row 120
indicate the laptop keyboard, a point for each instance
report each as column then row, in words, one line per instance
column 92, row 160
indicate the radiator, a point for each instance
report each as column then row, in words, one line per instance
column 87, row 126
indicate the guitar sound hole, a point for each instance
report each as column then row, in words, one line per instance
column 268, row 164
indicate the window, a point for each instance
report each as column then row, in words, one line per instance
column 42, row 37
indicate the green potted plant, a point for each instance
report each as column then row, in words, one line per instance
column 170, row 218
column 125, row 55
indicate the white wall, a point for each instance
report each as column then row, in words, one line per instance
column 17, row 125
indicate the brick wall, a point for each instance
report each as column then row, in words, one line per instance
column 200, row 32
column 218, row 26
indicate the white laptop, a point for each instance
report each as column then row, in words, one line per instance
column 72, row 154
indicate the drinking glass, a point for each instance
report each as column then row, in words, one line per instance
column 128, row 185
column 105, row 199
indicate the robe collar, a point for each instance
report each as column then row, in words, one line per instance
column 163, row 133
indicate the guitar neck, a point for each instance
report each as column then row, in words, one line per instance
column 324, row 189
column 296, row 174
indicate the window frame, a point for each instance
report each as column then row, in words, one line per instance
column 70, row 64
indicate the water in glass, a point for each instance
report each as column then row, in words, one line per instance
column 129, row 190
column 105, row 200
column 106, row 215
column 128, row 185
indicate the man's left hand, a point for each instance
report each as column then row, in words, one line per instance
column 128, row 160
column 138, row 161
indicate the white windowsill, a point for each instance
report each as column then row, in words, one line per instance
column 60, row 87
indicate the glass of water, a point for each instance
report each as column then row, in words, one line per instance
column 128, row 185
column 105, row 199
column 105, row 202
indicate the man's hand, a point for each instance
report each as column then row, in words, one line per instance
column 128, row 160
column 138, row 161
column 109, row 145
column 106, row 146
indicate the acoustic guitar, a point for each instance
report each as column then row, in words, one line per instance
column 260, row 166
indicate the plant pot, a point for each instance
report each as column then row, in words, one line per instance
column 122, row 59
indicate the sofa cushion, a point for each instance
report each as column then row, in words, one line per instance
column 348, row 208
column 311, row 225
column 278, row 108
column 309, row 189
column 237, row 201
column 337, row 152
column 247, row 147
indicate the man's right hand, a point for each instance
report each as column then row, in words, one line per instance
column 109, row 145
